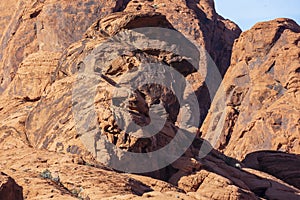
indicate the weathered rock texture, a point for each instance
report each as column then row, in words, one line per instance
column 261, row 90
column 44, row 49
column 281, row 165
column 48, row 175
column 51, row 123
column 33, row 25
column 222, row 177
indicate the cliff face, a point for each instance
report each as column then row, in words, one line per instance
column 30, row 26
column 54, row 111
column 262, row 91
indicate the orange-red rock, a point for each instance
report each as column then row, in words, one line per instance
column 261, row 91
column 44, row 46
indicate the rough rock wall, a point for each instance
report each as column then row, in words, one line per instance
column 44, row 48
column 262, row 92
column 51, row 123
column 33, row 25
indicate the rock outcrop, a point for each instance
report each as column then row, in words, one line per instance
column 222, row 177
column 46, row 175
column 33, row 25
column 279, row 164
column 52, row 124
column 65, row 71
column 261, row 91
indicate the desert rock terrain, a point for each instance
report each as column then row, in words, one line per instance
column 65, row 67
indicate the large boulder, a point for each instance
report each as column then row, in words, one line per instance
column 279, row 164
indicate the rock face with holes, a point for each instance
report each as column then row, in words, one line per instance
column 65, row 71
column 261, row 90
column 52, row 124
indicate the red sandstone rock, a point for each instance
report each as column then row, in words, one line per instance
column 261, row 90
column 43, row 46
column 279, row 164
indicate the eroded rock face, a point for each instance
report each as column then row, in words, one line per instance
column 59, row 133
column 52, row 125
column 222, row 177
column 279, row 164
column 46, row 47
column 24, row 93
column 261, row 90
column 52, row 26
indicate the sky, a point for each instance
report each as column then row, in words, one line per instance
column 246, row 13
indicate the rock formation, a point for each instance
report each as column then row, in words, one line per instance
column 59, row 133
column 262, row 92
column 279, row 164
column 64, row 70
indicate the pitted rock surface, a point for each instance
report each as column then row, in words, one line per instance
column 45, row 45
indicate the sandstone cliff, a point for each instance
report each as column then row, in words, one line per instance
column 50, row 143
column 262, row 91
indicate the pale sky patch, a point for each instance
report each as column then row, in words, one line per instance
column 246, row 13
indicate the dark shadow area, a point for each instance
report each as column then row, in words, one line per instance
column 120, row 5
column 149, row 20
column 10, row 190
column 138, row 187
column 282, row 165
column 204, row 101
